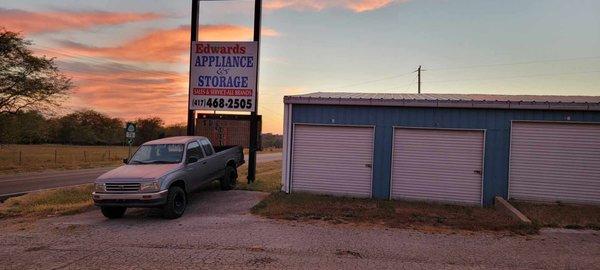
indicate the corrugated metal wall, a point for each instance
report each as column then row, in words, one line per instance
column 555, row 162
column 496, row 122
column 437, row 165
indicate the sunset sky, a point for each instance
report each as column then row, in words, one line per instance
column 130, row 58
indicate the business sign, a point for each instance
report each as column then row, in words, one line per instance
column 223, row 76
column 226, row 129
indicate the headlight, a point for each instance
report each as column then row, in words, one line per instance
column 150, row 186
column 99, row 187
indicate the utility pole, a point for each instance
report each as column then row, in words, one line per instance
column 253, row 115
column 191, row 119
column 419, row 76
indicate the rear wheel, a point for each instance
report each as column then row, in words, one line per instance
column 113, row 212
column 229, row 180
column 176, row 203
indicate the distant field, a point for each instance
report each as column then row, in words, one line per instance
column 28, row 158
column 31, row 158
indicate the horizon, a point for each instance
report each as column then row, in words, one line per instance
column 507, row 48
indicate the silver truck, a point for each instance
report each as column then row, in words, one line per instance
column 163, row 172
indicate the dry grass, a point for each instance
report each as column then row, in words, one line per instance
column 398, row 214
column 268, row 177
column 267, row 150
column 62, row 201
column 561, row 215
column 28, row 158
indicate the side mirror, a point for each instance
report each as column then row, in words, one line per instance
column 125, row 160
column 192, row 160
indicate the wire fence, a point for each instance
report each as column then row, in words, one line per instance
column 19, row 158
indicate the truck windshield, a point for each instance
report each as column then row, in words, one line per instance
column 158, row 154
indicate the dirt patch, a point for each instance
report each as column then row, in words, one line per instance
column 397, row 214
column 561, row 215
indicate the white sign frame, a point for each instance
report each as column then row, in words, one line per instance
column 223, row 76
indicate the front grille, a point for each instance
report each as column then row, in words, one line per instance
column 127, row 187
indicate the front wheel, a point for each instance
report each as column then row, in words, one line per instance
column 113, row 212
column 176, row 203
column 229, row 180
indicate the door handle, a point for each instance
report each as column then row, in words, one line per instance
column 203, row 162
column 477, row 172
column 369, row 165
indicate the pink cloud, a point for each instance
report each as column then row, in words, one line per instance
column 42, row 22
column 354, row 5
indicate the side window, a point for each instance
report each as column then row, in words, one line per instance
column 194, row 150
column 207, row 147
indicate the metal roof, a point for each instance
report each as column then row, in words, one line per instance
column 583, row 103
column 174, row 140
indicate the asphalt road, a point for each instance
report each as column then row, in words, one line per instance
column 27, row 182
column 217, row 232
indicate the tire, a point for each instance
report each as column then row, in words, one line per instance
column 113, row 212
column 176, row 203
column 229, row 180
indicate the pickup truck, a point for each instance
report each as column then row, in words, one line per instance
column 163, row 172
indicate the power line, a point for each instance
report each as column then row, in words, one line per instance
column 371, row 81
column 469, row 67
column 520, row 63
column 522, row 76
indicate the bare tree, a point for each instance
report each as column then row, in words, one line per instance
column 28, row 82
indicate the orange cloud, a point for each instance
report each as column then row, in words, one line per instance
column 40, row 22
column 170, row 45
column 354, row 5
column 128, row 92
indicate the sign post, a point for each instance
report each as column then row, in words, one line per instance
column 130, row 130
column 254, row 121
column 191, row 121
column 224, row 77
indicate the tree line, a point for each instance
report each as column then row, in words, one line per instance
column 86, row 127
column 89, row 127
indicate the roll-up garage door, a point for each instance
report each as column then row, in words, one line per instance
column 555, row 162
column 437, row 165
column 334, row 160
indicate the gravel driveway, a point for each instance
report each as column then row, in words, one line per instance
column 217, row 232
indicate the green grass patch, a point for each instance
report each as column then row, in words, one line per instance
column 561, row 215
column 62, row 201
column 398, row 214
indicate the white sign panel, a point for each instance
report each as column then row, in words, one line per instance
column 223, row 76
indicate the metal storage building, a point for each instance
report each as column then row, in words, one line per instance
column 443, row 147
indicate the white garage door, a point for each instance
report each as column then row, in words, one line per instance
column 332, row 160
column 555, row 162
column 437, row 165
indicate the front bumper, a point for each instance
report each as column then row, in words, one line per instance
column 131, row 199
